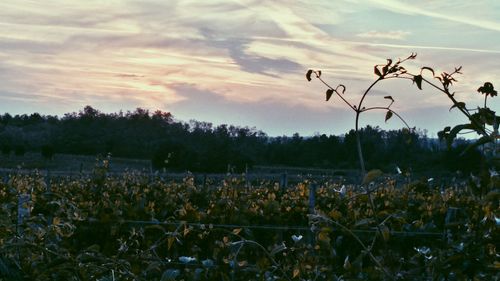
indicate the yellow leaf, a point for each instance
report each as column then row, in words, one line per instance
column 324, row 237
column 386, row 233
column 296, row 272
column 271, row 196
column 334, row 214
column 347, row 263
column 236, row 231
column 186, row 230
column 225, row 240
column 372, row 175
column 182, row 212
column 56, row 221
column 170, row 241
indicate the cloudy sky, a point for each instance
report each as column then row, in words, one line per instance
column 243, row 62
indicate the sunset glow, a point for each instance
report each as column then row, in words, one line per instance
column 241, row 62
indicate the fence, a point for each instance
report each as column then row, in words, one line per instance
column 283, row 179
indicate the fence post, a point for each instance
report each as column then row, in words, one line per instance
column 312, row 210
column 284, row 180
column 47, row 181
column 312, row 198
column 23, row 210
column 247, row 182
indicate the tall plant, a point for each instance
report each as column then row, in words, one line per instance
column 482, row 120
column 382, row 71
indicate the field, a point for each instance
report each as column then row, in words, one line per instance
column 138, row 227
column 68, row 163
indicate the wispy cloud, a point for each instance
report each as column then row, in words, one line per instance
column 394, row 35
column 451, row 12
column 421, row 47
column 247, row 54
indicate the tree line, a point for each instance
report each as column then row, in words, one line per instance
column 203, row 147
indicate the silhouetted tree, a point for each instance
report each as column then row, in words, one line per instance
column 19, row 150
column 6, row 149
column 202, row 147
column 47, row 151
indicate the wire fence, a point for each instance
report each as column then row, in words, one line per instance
column 282, row 179
column 249, row 178
column 372, row 230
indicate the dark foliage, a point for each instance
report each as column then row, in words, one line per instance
column 203, row 147
column 6, row 149
column 141, row 228
column 47, row 151
column 19, row 150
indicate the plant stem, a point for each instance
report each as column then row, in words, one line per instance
column 360, row 151
column 481, row 130
column 275, row 263
column 387, row 108
column 337, row 93
column 358, row 137
column 366, row 249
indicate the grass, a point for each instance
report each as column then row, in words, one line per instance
column 68, row 162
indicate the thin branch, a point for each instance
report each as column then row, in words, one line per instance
column 366, row 249
column 366, row 93
column 267, row 254
column 337, row 93
column 465, row 133
column 388, row 109
column 483, row 130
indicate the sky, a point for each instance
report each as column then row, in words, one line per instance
column 243, row 62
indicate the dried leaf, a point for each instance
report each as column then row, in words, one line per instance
column 296, row 272
column 329, row 94
column 458, row 104
column 56, row 221
column 308, row 75
column 388, row 115
column 418, row 80
column 341, row 86
column 385, row 69
column 170, row 242
column 386, row 233
column 347, row 263
column 427, row 68
column 335, row 215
